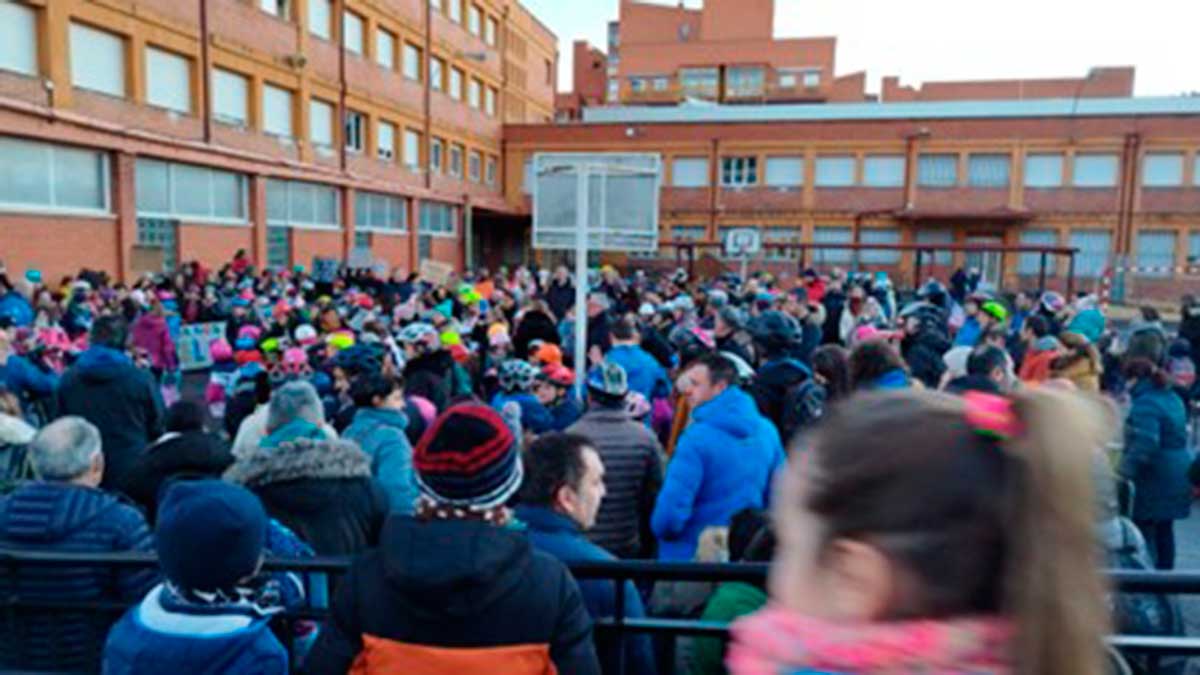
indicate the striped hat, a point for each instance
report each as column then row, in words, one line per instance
column 468, row 458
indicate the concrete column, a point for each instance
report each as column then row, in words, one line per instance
column 55, row 51
column 135, row 67
column 124, row 203
column 258, row 219
column 414, row 223
column 347, row 222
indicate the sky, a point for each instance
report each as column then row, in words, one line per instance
column 923, row 40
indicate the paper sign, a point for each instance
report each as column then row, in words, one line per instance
column 194, row 341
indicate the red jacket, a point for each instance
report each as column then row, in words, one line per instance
column 1036, row 367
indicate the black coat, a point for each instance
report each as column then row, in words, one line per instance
column 123, row 402
column 193, row 454
column 834, row 302
column 458, row 585
column 560, row 297
column 321, row 490
column 534, row 326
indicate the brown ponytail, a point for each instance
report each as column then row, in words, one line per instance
column 1056, row 593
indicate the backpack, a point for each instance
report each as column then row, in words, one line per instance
column 16, row 467
column 803, row 405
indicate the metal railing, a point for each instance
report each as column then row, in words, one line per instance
column 619, row 626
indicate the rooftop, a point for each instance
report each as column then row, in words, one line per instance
column 1054, row 107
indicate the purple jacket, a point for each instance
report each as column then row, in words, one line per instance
column 150, row 334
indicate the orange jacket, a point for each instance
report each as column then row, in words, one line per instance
column 1037, row 365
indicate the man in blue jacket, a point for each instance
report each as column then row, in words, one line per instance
column 645, row 375
column 722, row 464
column 560, row 496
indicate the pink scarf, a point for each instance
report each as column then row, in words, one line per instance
column 775, row 641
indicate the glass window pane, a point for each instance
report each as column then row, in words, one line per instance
column 380, row 210
column 277, row 201
column 942, row 258
column 25, row 172
column 1156, row 253
column 230, row 96
column 352, row 24
column 988, row 171
column 1095, row 170
column 689, row 172
column 412, row 62
column 835, row 172
column 190, row 190
column 327, row 206
column 412, row 148
column 153, row 187
column 889, row 235
column 18, row 38
column 320, row 123
column 831, row 235
column 300, row 203
column 1163, row 170
column 1030, row 264
column 277, row 111
column 883, row 171
column 79, row 181
column 937, row 170
column 1194, row 248
column 97, row 60
column 228, row 199
column 320, row 17
column 1095, row 247
column 168, row 80
column 1043, row 170
column 785, row 171
column 385, row 49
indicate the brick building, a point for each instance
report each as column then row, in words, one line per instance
column 132, row 133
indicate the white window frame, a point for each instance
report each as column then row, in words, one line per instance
column 411, row 62
column 354, row 29
column 474, row 93
column 52, row 207
column 172, row 213
column 637, row 84
column 455, row 84
column 278, row 8
column 437, row 155
column 436, row 81
column 219, row 102
column 811, row 79
column 364, row 215
column 739, row 171
column 320, row 18
column 451, row 215
column 385, row 150
column 474, row 20
column 489, row 101
column 290, row 221
column 412, row 149
column 460, row 151
column 385, row 48
column 119, row 87
column 787, row 80
column 169, row 96
column 18, row 22
column 454, row 11
column 490, row 27
column 354, row 129
column 326, row 113
column 490, row 171
column 291, row 117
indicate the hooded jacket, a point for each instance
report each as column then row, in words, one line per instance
column 771, row 386
column 560, row 297
column 535, row 325
column 191, row 454
column 435, row 377
column 380, row 432
column 465, row 596
column 320, row 489
column 63, row 517
column 106, row 389
column 644, row 374
column 723, row 463
column 150, row 333
column 1156, row 456
column 534, row 416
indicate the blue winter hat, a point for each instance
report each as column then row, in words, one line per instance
column 33, row 276
column 210, row 534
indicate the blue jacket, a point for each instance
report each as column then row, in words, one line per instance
column 165, row 635
column 1088, row 323
column 62, row 517
column 1156, row 457
column 534, row 416
column 645, row 374
column 380, row 432
column 891, row 381
column 16, row 307
column 722, row 464
column 24, row 379
column 969, row 334
column 561, row 537
column 566, row 413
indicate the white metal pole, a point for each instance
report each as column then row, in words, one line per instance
column 581, row 280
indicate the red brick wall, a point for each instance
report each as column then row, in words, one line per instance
column 647, row 24
column 447, row 250
column 213, row 245
column 307, row 244
column 590, row 76
column 1101, row 83
column 392, row 248
column 57, row 245
column 737, row 20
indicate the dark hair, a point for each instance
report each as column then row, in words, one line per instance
column 625, row 328
column 720, row 369
column 1038, row 325
column 751, row 538
column 552, row 461
column 184, row 416
column 872, row 360
column 369, row 386
column 986, row 358
column 1150, row 314
column 832, row 362
column 110, row 331
column 1142, row 368
column 605, row 400
column 996, row 332
column 976, row 525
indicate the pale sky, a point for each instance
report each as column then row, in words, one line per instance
column 959, row 39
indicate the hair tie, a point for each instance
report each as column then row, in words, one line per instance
column 991, row 416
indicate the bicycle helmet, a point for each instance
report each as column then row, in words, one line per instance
column 636, row 405
column 558, row 374
column 1053, row 302
column 418, row 334
column 774, row 330
column 995, row 310
column 517, row 376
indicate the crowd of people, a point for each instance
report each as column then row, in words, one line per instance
column 929, row 473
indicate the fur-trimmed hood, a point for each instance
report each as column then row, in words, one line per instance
column 300, row 459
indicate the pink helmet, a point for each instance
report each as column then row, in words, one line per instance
column 252, row 332
column 425, row 407
column 220, row 350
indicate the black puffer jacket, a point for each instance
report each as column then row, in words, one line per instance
column 462, row 586
column 560, row 297
column 534, row 326
column 432, row 376
column 775, row 378
column 923, row 353
column 321, row 490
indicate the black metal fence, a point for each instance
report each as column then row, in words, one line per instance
column 14, row 603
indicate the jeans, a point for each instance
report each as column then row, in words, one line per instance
column 1160, row 539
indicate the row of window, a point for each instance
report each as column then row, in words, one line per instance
column 320, row 19
column 983, row 170
column 740, row 81
column 478, row 22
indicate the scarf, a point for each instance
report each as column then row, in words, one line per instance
column 775, row 641
column 296, row 429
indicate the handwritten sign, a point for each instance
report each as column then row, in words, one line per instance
column 436, row 273
column 194, row 341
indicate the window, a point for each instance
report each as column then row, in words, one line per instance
column 1094, row 246
column 1162, row 169
column 474, row 88
column 188, row 192
column 1156, row 253
column 44, row 177
column 412, row 149
column 661, row 83
column 614, row 91
column 97, row 60
column 377, row 212
column 1095, row 171
column 489, row 101
column 880, row 235
column 230, row 96
column 1196, row 171
column 277, row 8
column 689, row 172
column 18, row 38
column 435, row 5
column 320, row 18
column 936, row 237
column 787, row 80
column 456, row 84
column 490, row 173
column 277, row 111
column 1043, row 170
column 168, row 80
column 835, row 172
column 937, row 170
column 699, row 81
column 785, row 171
column 988, row 171
column 412, row 62
column 362, row 240
column 352, row 32
column 475, row 167
column 489, row 31
column 473, row 20
column 739, row 171
column 356, row 131
column 436, row 73
column 637, row 85
column 320, row 123
column 832, row 235
column 454, row 10
column 549, row 71
column 812, row 79
column 436, row 149
column 527, row 177
column 1030, row 264
column 456, row 160
column 385, row 141
column 279, row 247
column 292, row 203
column 437, row 218
column 782, row 235
column 1194, row 248
column 883, row 171
column 744, row 81
column 385, row 49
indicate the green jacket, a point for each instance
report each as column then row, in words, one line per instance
column 730, row 601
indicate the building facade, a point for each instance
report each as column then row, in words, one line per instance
column 1118, row 179
column 136, row 133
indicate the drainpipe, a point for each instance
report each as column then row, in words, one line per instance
column 206, row 73
column 426, row 96
column 340, row 8
column 714, row 174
